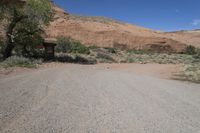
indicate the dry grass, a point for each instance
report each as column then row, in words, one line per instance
column 190, row 72
column 142, row 57
column 99, row 19
column 16, row 61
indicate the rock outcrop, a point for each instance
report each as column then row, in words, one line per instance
column 105, row 32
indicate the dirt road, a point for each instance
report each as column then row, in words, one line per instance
column 96, row 99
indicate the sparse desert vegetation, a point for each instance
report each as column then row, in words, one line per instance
column 65, row 73
column 190, row 59
column 68, row 45
column 141, row 56
column 71, row 51
column 93, row 19
column 16, row 61
column 191, row 72
column 74, row 58
column 160, row 49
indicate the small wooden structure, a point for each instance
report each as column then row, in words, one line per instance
column 49, row 45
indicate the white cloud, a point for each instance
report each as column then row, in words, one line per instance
column 196, row 22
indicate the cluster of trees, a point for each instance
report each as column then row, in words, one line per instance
column 24, row 21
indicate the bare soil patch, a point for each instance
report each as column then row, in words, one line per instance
column 157, row 70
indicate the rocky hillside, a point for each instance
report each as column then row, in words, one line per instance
column 187, row 37
column 105, row 32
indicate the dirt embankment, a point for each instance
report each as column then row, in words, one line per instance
column 105, row 32
column 187, row 37
column 108, row 33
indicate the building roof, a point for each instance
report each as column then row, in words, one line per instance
column 50, row 41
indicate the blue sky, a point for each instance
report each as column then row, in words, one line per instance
column 165, row 15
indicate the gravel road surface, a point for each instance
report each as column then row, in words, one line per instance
column 96, row 99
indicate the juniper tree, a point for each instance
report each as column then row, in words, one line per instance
column 25, row 21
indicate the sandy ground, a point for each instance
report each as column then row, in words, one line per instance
column 69, row 98
column 167, row 71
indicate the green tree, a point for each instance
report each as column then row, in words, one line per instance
column 191, row 50
column 26, row 20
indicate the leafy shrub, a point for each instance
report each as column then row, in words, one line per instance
column 197, row 55
column 1, row 57
column 63, row 45
column 75, row 59
column 16, row 61
column 112, row 50
column 77, row 47
column 105, row 57
column 38, row 54
column 31, row 53
column 64, row 58
column 191, row 50
column 1, row 48
column 191, row 72
column 93, row 47
column 160, row 58
column 83, row 60
column 67, row 45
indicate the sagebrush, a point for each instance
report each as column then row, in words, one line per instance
column 68, row 45
column 19, row 61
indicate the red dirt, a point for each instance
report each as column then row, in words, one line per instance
column 103, row 32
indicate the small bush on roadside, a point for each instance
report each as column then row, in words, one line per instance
column 84, row 60
column 191, row 72
column 74, row 59
column 191, row 50
column 1, row 49
column 105, row 58
column 34, row 53
column 1, row 57
column 63, row 45
column 93, row 47
column 16, row 61
column 77, row 47
column 67, row 45
column 197, row 55
column 38, row 54
column 112, row 50
column 64, row 58
column 160, row 58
